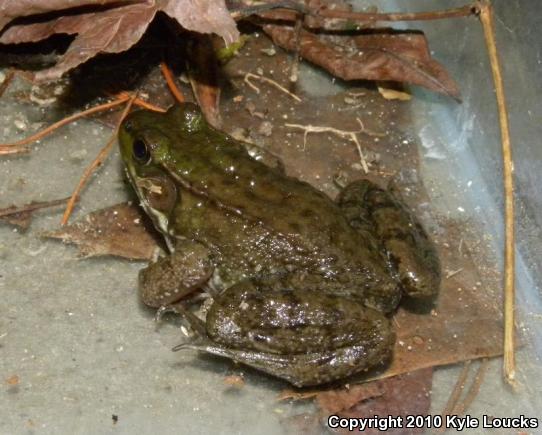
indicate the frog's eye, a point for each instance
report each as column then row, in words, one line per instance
column 141, row 152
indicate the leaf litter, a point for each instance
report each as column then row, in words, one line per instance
column 108, row 30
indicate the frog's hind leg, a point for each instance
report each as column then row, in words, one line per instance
column 301, row 335
column 412, row 254
column 304, row 370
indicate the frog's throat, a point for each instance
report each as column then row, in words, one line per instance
column 159, row 219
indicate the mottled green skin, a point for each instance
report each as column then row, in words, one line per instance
column 301, row 289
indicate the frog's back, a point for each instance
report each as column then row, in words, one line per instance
column 223, row 172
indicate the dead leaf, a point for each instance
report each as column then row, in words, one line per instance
column 406, row 394
column 11, row 9
column 334, row 401
column 203, row 73
column 390, row 55
column 118, row 230
column 21, row 216
column 21, row 220
column 116, row 29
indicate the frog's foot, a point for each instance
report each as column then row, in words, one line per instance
column 176, row 276
column 412, row 255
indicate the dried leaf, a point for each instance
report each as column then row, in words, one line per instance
column 341, row 399
column 21, row 216
column 11, row 9
column 118, row 230
column 204, row 73
column 21, row 220
column 396, row 56
column 116, row 29
column 407, row 394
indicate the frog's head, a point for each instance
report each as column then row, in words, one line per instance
column 148, row 141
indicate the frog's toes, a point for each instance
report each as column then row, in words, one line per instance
column 196, row 343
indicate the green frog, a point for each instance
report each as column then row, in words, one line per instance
column 302, row 285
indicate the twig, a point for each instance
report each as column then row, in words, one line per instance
column 352, row 135
column 248, row 76
column 460, row 408
column 463, row 11
column 33, row 206
column 95, row 163
column 13, row 150
column 509, row 367
column 456, row 393
column 142, row 103
column 40, row 134
column 168, row 75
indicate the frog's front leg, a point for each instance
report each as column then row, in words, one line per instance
column 304, row 336
column 171, row 278
column 413, row 255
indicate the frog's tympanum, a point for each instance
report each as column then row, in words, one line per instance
column 302, row 285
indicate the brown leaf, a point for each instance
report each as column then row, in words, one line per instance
column 11, row 9
column 116, row 29
column 203, row 73
column 334, row 401
column 407, row 394
column 21, row 216
column 396, row 56
column 118, row 230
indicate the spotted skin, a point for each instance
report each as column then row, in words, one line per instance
column 302, row 291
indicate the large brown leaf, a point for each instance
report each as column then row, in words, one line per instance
column 390, row 55
column 116, row 29
column 11, row 9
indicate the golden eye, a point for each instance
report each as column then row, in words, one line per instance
column 141, row 152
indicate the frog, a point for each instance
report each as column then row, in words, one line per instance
column 303, row 286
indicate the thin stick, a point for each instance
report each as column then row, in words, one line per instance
column 33, row 206
column 168, row 75
column 14, row 150
column 509, row 367
column 463, row 11
column 95, row 163
column 62, row 122
column 460, row 408
column 248, row 76
column 456, row 393
column 142, row 103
